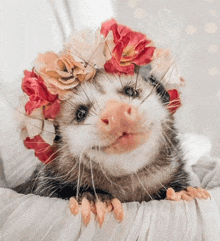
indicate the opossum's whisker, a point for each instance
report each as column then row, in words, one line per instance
column 74, row 92
column 99, row 153
column 43, row 130
column 62, row 177
column 36, row 178
column 89, row 58
column 148, row 172
column 92, row 114
column 78, row 55
column 93, row 83
column 162, row 79
column 82, row 175
column 136, row 79
column 18, row 109
column 77, row 189
column 40, row 171
column 167, row 126
column 93, row 184
column 40, row 143
column 65, row 176
column 105, row 75
column 55, row 189
column 167, row 138
column 143, row 186
column 20, row 112
column 112, row 183
column 168, row 147
column 170, row 102
column 108, row 46
column 87, row 62
column 120, row 81
column 88, row 98
column 110, row 80
column 70, row 103
column 153, row 88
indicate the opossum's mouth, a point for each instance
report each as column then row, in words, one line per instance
column 125, row 143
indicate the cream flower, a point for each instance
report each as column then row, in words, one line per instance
column 34, row 124
column 164, row 69
column 92, row 49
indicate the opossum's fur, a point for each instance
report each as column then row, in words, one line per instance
column 81, row 164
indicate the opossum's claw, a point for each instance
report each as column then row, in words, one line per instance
column 74, row 206
column 117, row 209
column 187, row 194
column 99, row 205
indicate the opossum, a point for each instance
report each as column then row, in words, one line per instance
column 116, row 142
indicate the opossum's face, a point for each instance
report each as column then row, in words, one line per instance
column 114, row 121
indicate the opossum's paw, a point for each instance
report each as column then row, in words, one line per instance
column 99, row 207
column 187, row 194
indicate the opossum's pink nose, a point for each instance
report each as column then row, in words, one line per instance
column 117, row 118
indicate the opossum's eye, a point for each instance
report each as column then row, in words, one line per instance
column 128, row 90
column 81, row 113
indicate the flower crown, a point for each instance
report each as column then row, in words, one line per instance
column 114, row 48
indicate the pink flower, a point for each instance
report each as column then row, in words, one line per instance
column 43, row 151
column 131, row 48
column 33, row 85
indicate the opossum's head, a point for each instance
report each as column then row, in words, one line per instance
column 117, row 122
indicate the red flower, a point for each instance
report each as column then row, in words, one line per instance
column 52, row 109
column 33, row 85
column 130, row 48
column 43, row 151
column 175, row 101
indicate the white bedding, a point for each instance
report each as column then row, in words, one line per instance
column 30, row 217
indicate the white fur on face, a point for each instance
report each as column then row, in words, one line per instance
column 85, row 137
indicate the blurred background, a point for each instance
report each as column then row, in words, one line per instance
column 191, row 29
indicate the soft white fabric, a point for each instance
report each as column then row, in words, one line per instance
column 30, row 217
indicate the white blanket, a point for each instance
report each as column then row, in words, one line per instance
column 30, row 217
